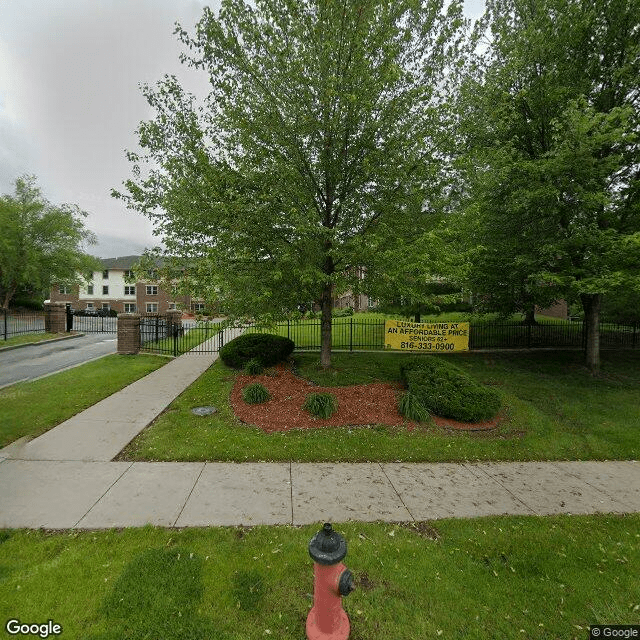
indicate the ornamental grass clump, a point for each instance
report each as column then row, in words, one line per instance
column 255, row 393
column 321, row 405
column 411, row 408
column 447, row 391
column 253, row 367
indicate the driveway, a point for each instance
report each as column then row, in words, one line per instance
column 35, row 361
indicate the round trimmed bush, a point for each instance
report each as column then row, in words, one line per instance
column 255, row 393
column 321, row 405
column 266, row 348
column 447, row 391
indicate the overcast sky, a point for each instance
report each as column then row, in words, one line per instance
column 70, row 102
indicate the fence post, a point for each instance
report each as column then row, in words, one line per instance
column 129, row 333
column 633, row 342
column 5, row 311
column 351, row 335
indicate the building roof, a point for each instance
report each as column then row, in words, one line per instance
column 125, row 262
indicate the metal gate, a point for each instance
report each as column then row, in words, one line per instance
column 90, row 321
column 162, row 334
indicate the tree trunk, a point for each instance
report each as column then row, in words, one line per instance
column 326, row 305
column 417, row 314
column 530, row 316
column 591, row 306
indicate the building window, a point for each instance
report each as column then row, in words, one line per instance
column 105, row 274
column 172, row 306
column 90, row 289
column 198, row 306
column 89, row 305
column 129, row 307
column 129, row 291
column 105, row 306
column 105, row 290
column 128, row 274
column 152, row 289
column 65, row 289
column 152, row 307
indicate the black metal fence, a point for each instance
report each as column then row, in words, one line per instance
column 91, row 323
column 356, row 334
column 17, row 323
column 159, row 334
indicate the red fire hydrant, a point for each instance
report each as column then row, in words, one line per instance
column 327, row 620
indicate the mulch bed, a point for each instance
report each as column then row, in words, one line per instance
column 362, row 404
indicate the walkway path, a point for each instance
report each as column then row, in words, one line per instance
column 65, row 478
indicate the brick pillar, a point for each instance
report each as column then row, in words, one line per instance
column 128, row 333
column 55, row 317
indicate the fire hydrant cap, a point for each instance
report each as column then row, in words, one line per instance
column 327, row 546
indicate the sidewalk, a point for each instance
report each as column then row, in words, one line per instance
column 64, row 478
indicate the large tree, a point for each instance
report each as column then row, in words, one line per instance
column 553, row 118
column 317, row 133
column 40, row 243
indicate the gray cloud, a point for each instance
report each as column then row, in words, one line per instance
column 70, row 103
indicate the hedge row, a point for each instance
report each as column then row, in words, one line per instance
column 447, row 391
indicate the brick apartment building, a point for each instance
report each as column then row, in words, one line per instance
column 110, row 288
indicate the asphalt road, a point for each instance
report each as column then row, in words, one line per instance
column 35, row 361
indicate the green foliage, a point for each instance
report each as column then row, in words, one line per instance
column 550, row 122
column 40, row 243
column 266, row 348
column 447, row 391
column 412, row 408
column 255, row 393
column 321, row 405
column 321, row 142
column 253, row 367
column 342, row 313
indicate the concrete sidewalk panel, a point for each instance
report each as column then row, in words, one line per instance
column 339, row 492
column 53, row 495
column 232, row 494
column 81, row 439
column 620, row 480
column 546, row 489
column 148, row 493
column 442, row 490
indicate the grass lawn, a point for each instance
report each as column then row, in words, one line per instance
column 499, row 577
column 31, row 408
column 554, row 410
column 29, row 338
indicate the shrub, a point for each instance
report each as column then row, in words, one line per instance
column 321, row 405
column 447, row 391
column 266, row 348
column 411, row 408
column 255, row 393
column 253, row 367
column 342, row 313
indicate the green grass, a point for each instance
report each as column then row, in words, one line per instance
column 31, row 408
column 500, row 577
column 553, row 409
column 30, row 338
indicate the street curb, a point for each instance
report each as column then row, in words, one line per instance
column 34, row 344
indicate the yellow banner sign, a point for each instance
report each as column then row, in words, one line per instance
column 444, row 337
